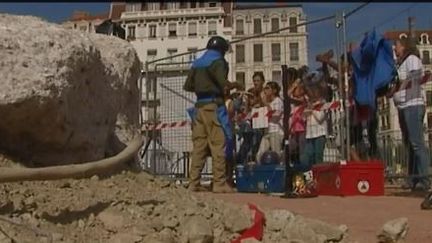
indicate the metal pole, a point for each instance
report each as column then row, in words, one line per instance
column 340, row 84
column 154, row 120
column 147, row 133
column 141, row 118
column 346, row 98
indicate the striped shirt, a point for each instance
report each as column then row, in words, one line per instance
column 412, row 70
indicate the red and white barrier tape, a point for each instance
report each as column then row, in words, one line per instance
column 319, row 107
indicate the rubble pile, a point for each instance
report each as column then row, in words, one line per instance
column 65, row 96
column 137, row 207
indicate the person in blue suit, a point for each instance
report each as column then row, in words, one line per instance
column 211, row 131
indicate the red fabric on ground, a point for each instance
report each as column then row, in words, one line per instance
column 256, row 230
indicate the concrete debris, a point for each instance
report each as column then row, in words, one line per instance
column 64, row 97
column 394, row 231
column 196, row 230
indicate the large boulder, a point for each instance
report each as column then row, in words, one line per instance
column 65, row 96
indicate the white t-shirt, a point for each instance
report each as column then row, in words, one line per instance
column 412, row 95
column 316, row 127
column 275, row 122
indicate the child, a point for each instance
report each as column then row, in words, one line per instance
column 316, row 132
column 245, row 131
column 297, row 126
column 272, row 140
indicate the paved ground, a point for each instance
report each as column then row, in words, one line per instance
column 363, row 215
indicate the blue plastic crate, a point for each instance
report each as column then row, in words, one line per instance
column 260, row 178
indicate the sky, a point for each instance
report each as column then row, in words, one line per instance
column 321, row 36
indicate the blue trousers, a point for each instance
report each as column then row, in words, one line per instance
column 411, row 123
column 313, row 152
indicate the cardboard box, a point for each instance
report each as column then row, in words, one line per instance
column 350, row 178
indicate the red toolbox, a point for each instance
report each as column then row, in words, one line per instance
column 350, row 178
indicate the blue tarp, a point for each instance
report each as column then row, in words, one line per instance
column 373, row 66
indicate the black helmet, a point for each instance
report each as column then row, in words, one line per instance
column 218, row 43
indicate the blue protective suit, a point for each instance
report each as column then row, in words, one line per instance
column 373, row 66
column 222, row 113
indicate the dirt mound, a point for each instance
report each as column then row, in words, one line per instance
column 136, row 207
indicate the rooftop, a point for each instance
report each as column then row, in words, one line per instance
column 256, row 6
column 393, row 35
column 81, row 15
column 116, row 10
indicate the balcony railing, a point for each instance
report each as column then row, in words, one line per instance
column 172, row 13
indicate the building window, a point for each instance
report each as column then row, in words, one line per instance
column 172, row 30
column 257, row 26
column 429, row 98
column 212, row 4
column 293, row 24
column 258, row 52
column 429, row 119
column 424, row 39
column 386, row 104
column 274, row 24
column 277, row 76
column 183, row 4
column 151, row 6
column 426, row 57
column 171, row 52
column 294, row 51
column 239, row 27
column 192, row 29
column 240, row 53
column 192, row 4
column 133, row 7
column 240, row 77
column 152, row 31
column 382, row 123
column 151, row 53
column 212, row 28
column 192, row 56
column 131, row 32
column 276, row 52
column 171, row 5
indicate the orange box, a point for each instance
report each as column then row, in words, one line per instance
column 350, row 178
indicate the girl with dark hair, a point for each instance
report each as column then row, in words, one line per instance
column 257, row 101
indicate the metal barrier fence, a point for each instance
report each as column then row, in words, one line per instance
column 167, row 126
column 396, row 155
